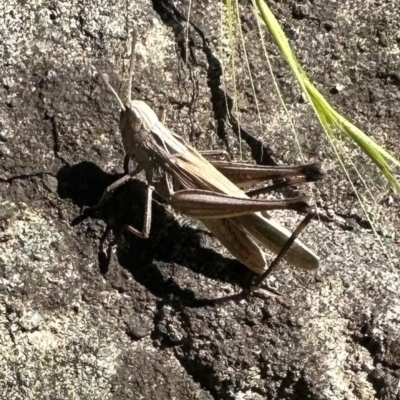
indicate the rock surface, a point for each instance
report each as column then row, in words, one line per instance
column 146, row 326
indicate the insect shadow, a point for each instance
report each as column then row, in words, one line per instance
column 170, row 246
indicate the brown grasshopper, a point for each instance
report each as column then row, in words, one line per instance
column 210, row 190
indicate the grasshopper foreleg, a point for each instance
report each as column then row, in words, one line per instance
column 105, row 254
column 144, row 234
column 113, row 187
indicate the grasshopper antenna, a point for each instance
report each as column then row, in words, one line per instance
column 107, row 82
column 131, row 65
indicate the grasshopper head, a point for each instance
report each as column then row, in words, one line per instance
column 136, row 115
column 130, row 121
column 130, row 126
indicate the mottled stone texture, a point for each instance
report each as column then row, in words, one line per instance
column 145, row 326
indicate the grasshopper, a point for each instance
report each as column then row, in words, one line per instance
column 211, row 190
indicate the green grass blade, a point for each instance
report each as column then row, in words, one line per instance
column 328, row 117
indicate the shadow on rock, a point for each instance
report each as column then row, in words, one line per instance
column 152, row 262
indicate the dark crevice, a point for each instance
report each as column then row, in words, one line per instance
column 173, row 18
column 294, row 388
column 26, row 176
column 326, row 218
column 363, row 223
column 221, row 102
column 200, row 371
column 206, row 377
column 385, row 376
column 56, row 138
column 46, row 83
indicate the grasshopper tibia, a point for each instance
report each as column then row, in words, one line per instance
column 300, row 227
column 144, row 234
column 109, row 190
